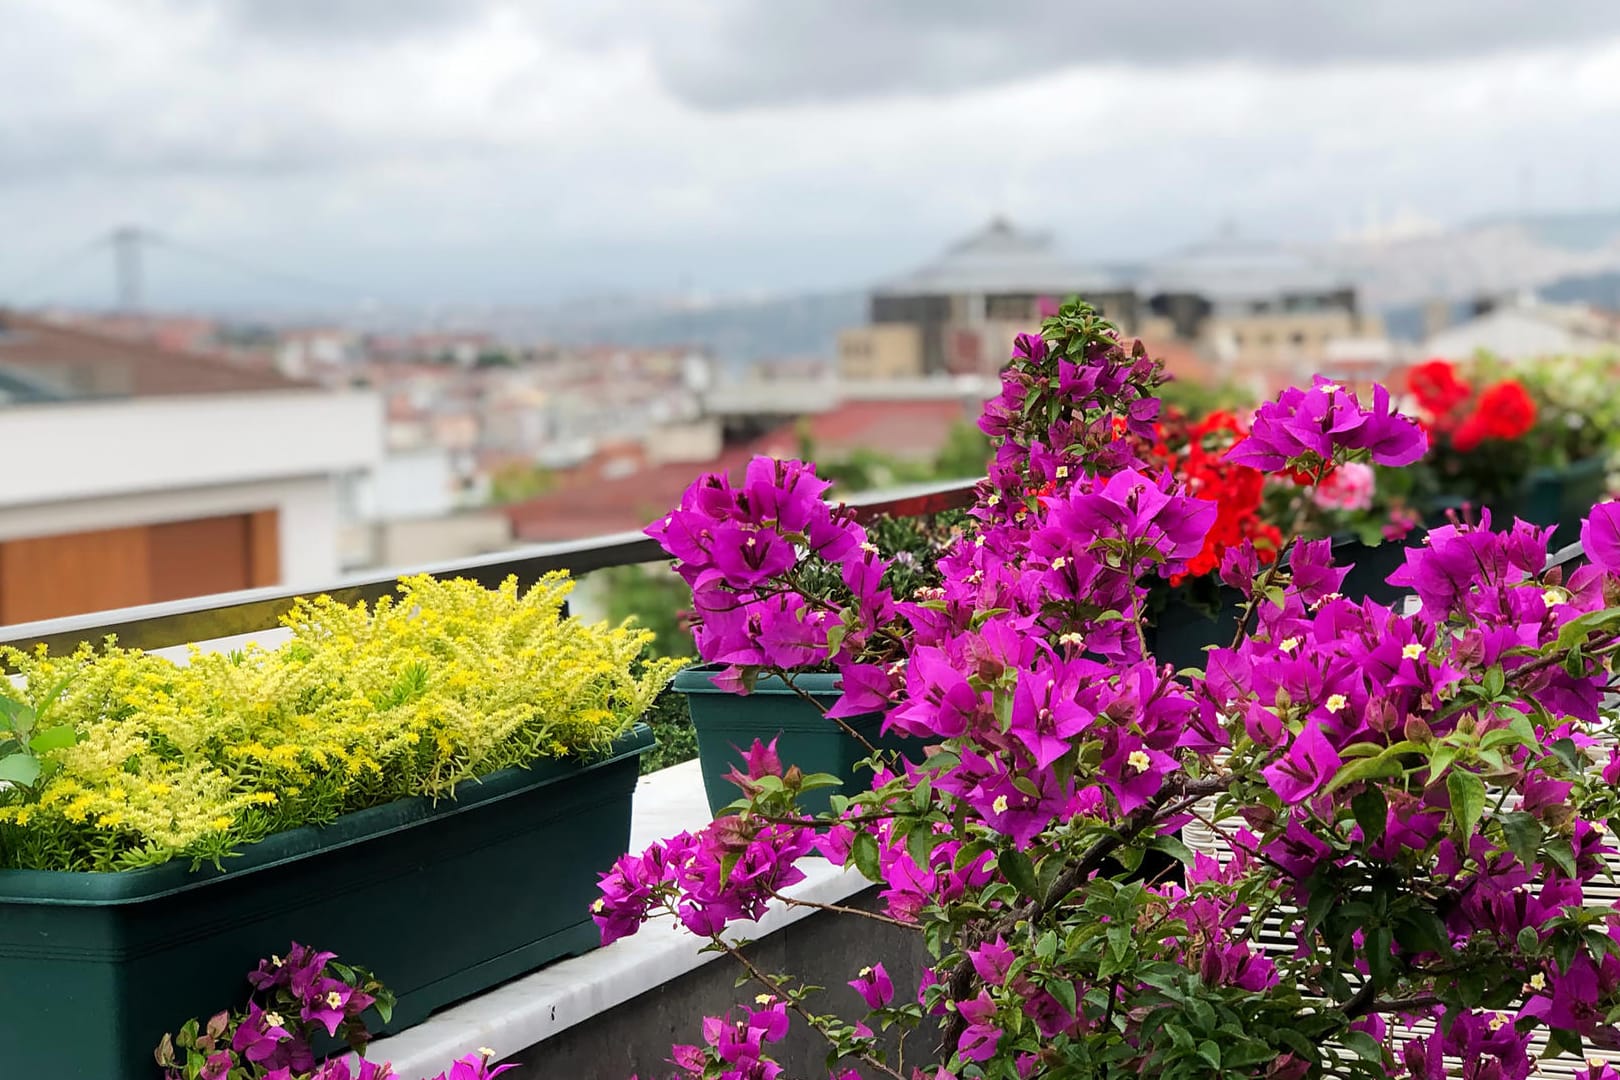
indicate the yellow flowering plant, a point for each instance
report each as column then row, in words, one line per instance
column 447, row 682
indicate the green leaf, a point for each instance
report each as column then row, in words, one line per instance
column 1559, row 851
column 22, row 717
column 920, row 843
column 1563, row 1041
column 1119, row 941
column 1564, row 750
column 1248, row 1053
column 1577, row 630
column 1063, row 990
column 1441, row 761
column 1363, row 1045
column 1494, row 681
column 1522, row 833
column 1210, row 1053
column 1421, row 930
column 53, row 738
column 1380, row 965
column 1385, row 764
column 1173, row 847
column 1467, row 799
column 970, row 853
column 20, row 769
column 1372, row 814
column 1017, row 869
column 863, row 851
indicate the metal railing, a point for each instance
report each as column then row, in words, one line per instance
column 205, row 618
column 222, row 615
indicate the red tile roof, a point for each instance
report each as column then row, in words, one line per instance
column 85, row 363
column 589, row 503
column 903, row 429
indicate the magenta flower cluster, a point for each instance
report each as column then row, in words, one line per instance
column 294, row 997
column 1418, row 801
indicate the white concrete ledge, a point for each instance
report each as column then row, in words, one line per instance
column 529, row 1010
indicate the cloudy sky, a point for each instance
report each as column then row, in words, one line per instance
column 478, row 150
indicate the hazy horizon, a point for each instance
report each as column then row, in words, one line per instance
column 433, row 151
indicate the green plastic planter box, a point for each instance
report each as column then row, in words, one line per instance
column 439, row 901
column 1557, row 497
column 1561, row 497
column 727, row 725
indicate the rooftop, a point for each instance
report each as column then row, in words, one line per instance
column 1232, row 268
column 1002, row 258
column 600, row 499
column 63, row 362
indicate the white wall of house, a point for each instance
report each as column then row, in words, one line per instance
column 408, row 484
column 60, row 451
column 76, row 467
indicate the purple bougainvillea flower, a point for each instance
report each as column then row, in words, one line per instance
column 1308, row 765
column 991, row 961
column 874, row 986
column 759, row 760
column 1303, row 427
column 1600, row 537
column 1045, row 715
column 1314, row 575
column 979, row 1038
column 1390, row 438
column 261, row 1035
column 866, row 688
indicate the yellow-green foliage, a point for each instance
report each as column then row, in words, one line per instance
column 446, row 682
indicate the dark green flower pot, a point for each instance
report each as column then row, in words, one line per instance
column 727, row 725
column 1558, row 497
column 439, row 901
column 1561, row 497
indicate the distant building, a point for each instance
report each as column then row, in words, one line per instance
column 1259, row 310
column 1524, row 327
column 1258, row 314
column 625, row 487
column 139, row 474
column 959, row 314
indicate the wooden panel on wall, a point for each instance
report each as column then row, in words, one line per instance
column 200, row 556
column 48, row 576
column 264, row 548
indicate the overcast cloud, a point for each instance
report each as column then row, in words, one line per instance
column 421, row 150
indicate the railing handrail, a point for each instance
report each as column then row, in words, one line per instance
column 221, row 615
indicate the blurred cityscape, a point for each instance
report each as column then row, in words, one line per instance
column 193, row 453
column 297, row 290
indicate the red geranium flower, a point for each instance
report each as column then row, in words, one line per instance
column 1505, row 411
column 1508, row 409
column 1438, row 389
column 1196, row 454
